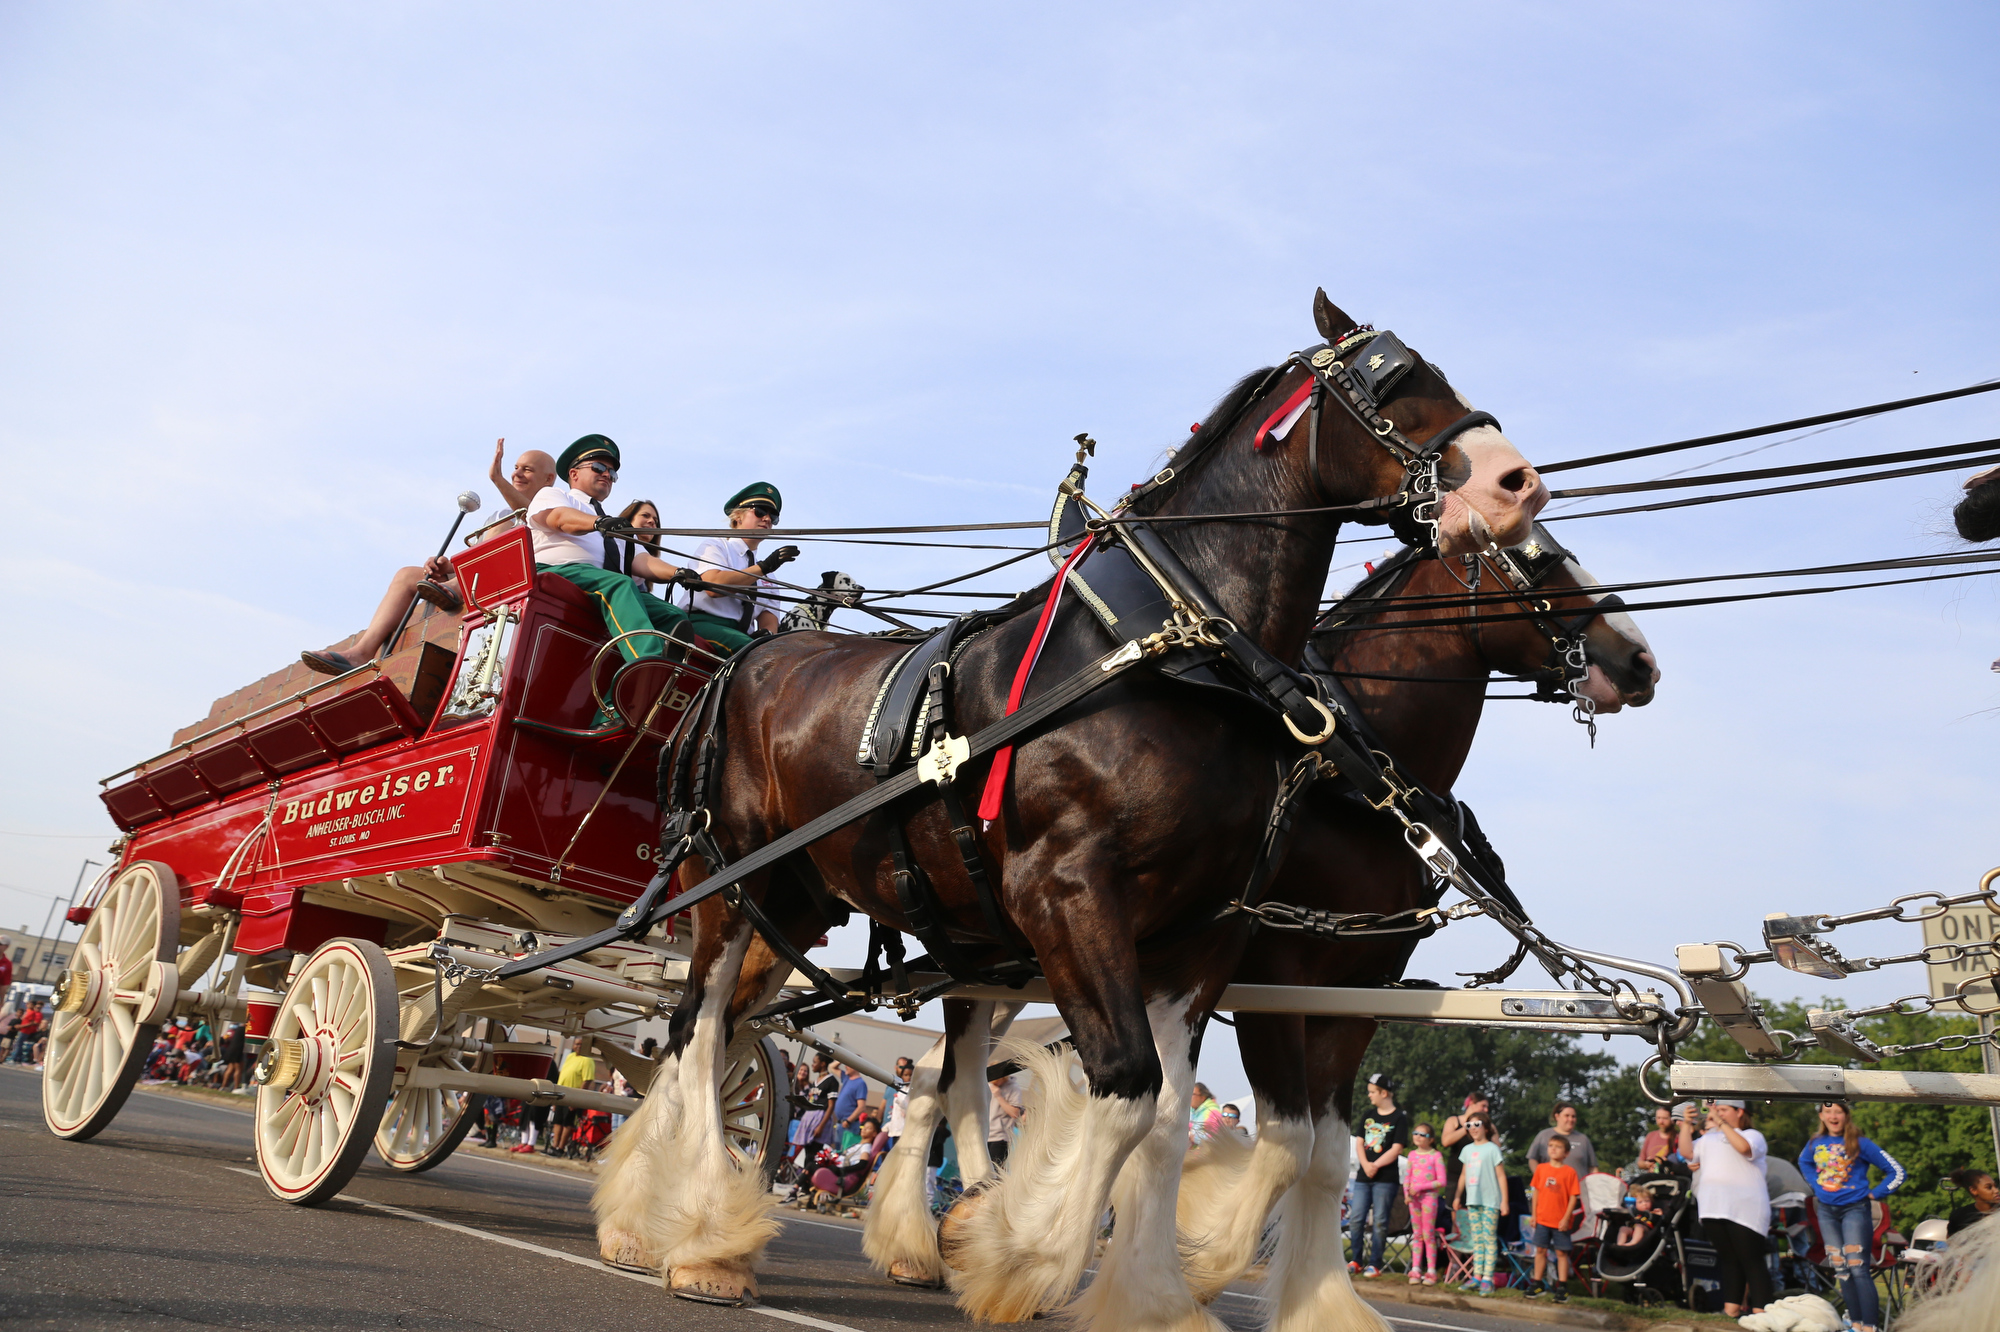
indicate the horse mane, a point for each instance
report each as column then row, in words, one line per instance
column 1221, row 419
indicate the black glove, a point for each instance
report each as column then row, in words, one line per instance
column 689, row 579
column 777, row 559
column 611, row 522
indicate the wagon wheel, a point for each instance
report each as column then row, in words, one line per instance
column 326, row 1071
column 750, row 1119
column 110, row 1003
column 424, row 1125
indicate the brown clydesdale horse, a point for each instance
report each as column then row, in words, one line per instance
column 1346, row 858
column 1349, row 858
column 1138, row 809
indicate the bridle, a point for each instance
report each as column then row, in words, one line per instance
column 1519, row 570
column 1360, row 370
column 1522, row 568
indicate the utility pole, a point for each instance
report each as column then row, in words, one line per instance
column 1989, row 1060
column 63, row 923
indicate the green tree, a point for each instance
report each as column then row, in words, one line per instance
column 1524, row 1072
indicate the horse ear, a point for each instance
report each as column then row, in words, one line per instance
column 1331, row 319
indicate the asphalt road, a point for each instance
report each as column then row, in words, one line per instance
column 161, row 1221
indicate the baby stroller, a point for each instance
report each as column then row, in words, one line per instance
column 1651, row 1262
column 593, row 1130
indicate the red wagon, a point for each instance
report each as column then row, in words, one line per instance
column 484, row 791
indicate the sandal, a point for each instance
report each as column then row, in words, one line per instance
column 437, row 594
column 327, row 663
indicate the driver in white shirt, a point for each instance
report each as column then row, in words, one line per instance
column 727, row 618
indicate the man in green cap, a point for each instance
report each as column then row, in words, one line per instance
column 727, row 618
column 568, row 520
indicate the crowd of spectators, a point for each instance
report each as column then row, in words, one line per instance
column 1456, row 1179
column 836, row 1138
column 189, row 1052
column 566, row 1131
column 23, row 1032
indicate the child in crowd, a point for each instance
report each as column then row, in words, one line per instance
column 853, row 1167
column 1835, row 1163
column 1423, row 1186
column 1632, row 1231
column 1482, row 1189
column 1558, row 1204
column 1983, row 1195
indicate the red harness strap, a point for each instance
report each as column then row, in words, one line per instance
column 1003, row 757
column 1284, row 416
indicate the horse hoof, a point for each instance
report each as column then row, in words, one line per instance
column 952, row 1225
column 625, row 1251
column 708, row 1283
column 906, row 1273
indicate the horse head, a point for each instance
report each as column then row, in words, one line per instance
column 1492, row 492
column 1559, row 608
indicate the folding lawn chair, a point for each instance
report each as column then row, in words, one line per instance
column 1515, row 1254
column 1457, row 1252
column 1600, row 1192
column 1398, row 1249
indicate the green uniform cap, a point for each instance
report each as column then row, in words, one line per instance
column 590, row 446
column 755, row 490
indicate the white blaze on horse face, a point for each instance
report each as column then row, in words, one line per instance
column 1598, row 688
column 1498, row 503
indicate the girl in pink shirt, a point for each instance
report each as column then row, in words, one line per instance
column 1423, row 1184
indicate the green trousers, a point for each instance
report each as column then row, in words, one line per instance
column 624, row 607
column 723, row 633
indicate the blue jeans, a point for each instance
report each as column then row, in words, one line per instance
column 1363, row 1196
column 1839, row 1227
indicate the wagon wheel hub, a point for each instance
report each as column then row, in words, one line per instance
column 301, row 1066
column 86, row 990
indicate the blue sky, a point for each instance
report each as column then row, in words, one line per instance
column 278, row 276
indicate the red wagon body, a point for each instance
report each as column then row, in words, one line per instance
column 359, row 853
column 349, row 807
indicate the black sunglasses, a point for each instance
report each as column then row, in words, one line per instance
column 603, row 470
column 761, row 509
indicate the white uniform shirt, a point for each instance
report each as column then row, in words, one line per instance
column 1729, row 1186
column 731, row 553
column 563, row 547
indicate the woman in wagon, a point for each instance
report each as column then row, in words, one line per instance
column 728, row 619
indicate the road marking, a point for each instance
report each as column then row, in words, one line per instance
column 1413, row 1323
column 482, row 1160
column 591, row 1263
column 823, row 1225
column 1418, row 1322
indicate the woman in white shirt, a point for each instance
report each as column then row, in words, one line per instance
column 1735, row 1202
column 727, row 618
